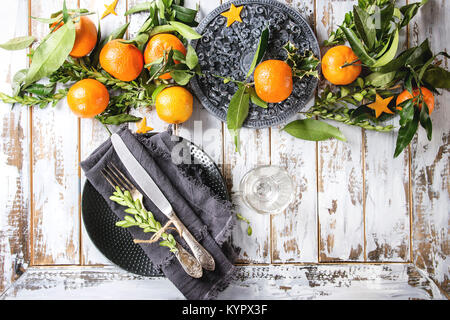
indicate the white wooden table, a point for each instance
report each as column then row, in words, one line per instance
column 363, row 225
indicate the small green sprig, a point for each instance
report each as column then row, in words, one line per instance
column 28, row 100
column 249, row 228
column 141, row 218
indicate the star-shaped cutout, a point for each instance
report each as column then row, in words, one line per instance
column 110, row 9
column 380, row 105
column 234, row 14
column 142, row 126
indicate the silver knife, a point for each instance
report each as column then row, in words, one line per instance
column 152, row 191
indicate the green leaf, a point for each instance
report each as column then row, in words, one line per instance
column 365, row 26
column 357, row 46
column 181, row 77
column 409, row 11
column 425, row 120
column 237, row 113
column 390, row 54
column 18, row 80
column 255, row 99
column 144, row 6
column 437, row 77
column 406, row 133
column 41, row 89
column 379, row 80
column 118, row 119
column 18, row 43
column 65, row 12
column 186, row 31
column 191, row 57
column 185, row 15
column 260, row 50
column 52, row 53
column 313, row 130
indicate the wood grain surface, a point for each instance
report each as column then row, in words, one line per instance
column 374, row 216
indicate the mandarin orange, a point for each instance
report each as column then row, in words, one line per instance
column 87, row 98
column 160, row 43
column 273, row 81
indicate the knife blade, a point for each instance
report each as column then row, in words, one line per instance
column 141, row 176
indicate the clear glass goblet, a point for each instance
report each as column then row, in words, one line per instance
column 267, row 189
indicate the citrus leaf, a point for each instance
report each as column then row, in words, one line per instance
column 186, row 31
column 390, row 54
column 365, row 26
column 262, row 46
column 158, row 90
column 52, row 53
column 313, row 130
column 437, row 77
column 18, row 43
column 425, row 120
column 191, row 57
column 378, row 79
column 257, row 100
column 357, row 46
column 406, row 133
column 144, row 6
column 237, row 113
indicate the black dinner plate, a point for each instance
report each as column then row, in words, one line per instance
column 228, row 51
column 115, row 243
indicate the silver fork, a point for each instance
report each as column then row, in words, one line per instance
column 116, row 178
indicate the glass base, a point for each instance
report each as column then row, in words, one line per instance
column 267, row 189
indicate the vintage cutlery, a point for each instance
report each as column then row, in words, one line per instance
column 150, row 188
column 116, row 178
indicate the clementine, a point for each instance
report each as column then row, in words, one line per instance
column 174, row 104
column 160, row 43
column 87, row 98
column 273, row 80
column 121, row 60
column 332, row 65
column 85, row 36
column 427, row 97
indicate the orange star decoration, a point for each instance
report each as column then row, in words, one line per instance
column 234, row 14
column 110, row 9
column 142, row 126
column 380, row 105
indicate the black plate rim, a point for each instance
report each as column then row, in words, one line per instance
column 259, row 124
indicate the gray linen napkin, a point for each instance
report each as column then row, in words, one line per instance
column 206, row 216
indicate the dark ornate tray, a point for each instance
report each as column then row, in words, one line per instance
column 229, row 52
column 115, row 243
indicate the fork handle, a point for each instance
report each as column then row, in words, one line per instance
column 188, row 262
column 203, row 256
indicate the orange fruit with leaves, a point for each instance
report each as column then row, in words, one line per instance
column 158, row 44
column 121, row 60
column 428, row 97
column 333, row 68
column 273, row 81
column 174, row 105
column 85, row 36
column 87, row 98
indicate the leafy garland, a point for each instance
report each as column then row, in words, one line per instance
column 51, row 60
column 372, row 30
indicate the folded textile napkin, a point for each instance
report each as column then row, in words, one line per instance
column 206, row 216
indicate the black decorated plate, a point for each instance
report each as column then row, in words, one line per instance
column 229, row 52
column 115, row 243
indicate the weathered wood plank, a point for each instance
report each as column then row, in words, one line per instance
column 93, row 133
column 55, row 178
column 394, row 281
column 340, row 171
column 294, row 232
column 202, row 128
column 430, row 168
column 14, row 155
column 387, row 210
